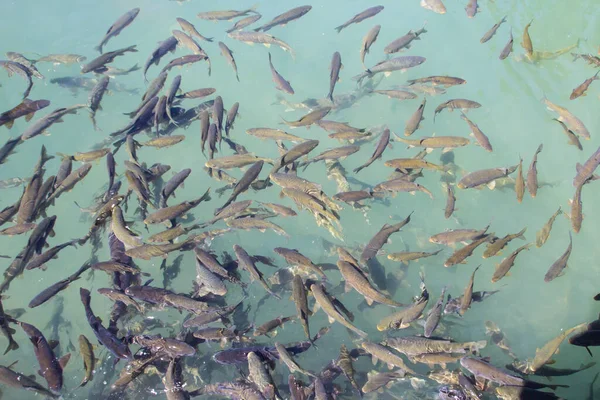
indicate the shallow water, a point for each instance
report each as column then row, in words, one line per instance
column 529, row 311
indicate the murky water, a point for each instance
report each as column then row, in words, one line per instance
column 528, row 310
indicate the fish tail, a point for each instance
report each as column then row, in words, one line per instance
column 12, row 345
column 99, row 48
column 339, row 28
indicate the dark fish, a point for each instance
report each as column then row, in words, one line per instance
column 8, row 148
column 384, row 141
column 27, row 108
column 228, row 54
column 51, row 253
column 244, row 183
column 50, row 367
column 280, row 82
column 95, row 98
column 532, row 180
column 15, row 68
column 189, row 59
column 246, row 262
column 116, row 346
column 197, row 93
column 167, row 45
column 98, row 65
column 171, row 96
column 453, row 104
column 232, row 113
column 41, row 125
column 368, row 41
column 334, row 73
column 435, row 314
column 403, row 42
column 381, row 238
column 368, row 13
column 283, row 19
column 507, row 48
column 489, row 34
column 176, row 181
column 59, row 286
column 17, row 380
column 118, row 26
column 556, row 269
column 386, row 67
column 244, row 22
column 21, row 59
column 6, row 330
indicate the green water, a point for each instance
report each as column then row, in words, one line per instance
column 529, row 311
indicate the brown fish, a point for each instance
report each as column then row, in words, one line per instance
column 581, row 89
column 460, row 255
column 526, row 43
column 543, row 234
column 280, row 82
column 576, row 210
column 450, row 202
column 26, row 108
column 532, row 180
column 505, row 265
column 190, row 29
column 556, row 269
column 498, row 244
column 415, row 120
column 481, row 138
column 383, row 143
column 461, row 104
column 572, row 137
column 228, row 54
column 368, row 13
column 520, row 182
column 489, row 34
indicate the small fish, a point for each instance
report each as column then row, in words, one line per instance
column 311, row 118
column 326, row 304
column 280, row 82
column 334, row 73
column 461, row 104
column 494, row 247
column 378, row 380
column 484, row 177
column 481, row 138
column 225, row 15
column 472, row 8
column 446, row 81
column 532, row 180
column 13, row 67
column 381, row 238
column 98, row 65
column 368, row 13
column 164, row 47
column 272, row 325
column 260, row 37
column 116, row 28
column 576, row 210
column 506, row 264
column 188, row 59
column 507, row 49
column 415, row 120
column 544, row 354
column 526, row 43
column 405, row 257
column 385, row 355
column 26, row 108
column 62, row 58
column 543, row 234
column 403, row 318
column 386, row 67
column 379, row 149
column 355, row 278
column 489, row 34
column 403, row 42
column 190, row 29
column 244, row 22
column 581, row 89
column 434, row 315
column 556, row 269
column 285, row 18
column 520, row 182
column 228, row 54
column 368, row 41
column 460, row 255
column 572, row 137
column 450, row 202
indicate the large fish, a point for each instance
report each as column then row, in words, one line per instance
column 285, row 18
column 368, row 13
column 386, row 67
column 260, row 37
column 118, row 26
column 26, row 108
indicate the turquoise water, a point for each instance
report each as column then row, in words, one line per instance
column 529, row 311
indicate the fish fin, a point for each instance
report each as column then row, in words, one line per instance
column 491, row 185
column 369, row 301
column 387, row 74
column 64, row 360
column 10, row 124
column 331, row 320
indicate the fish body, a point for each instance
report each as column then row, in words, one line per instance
column 368, row 41
column 415, row 120
column 385, row 354
column 564, row 115
column 377, row 381
column 543, row 234
column 225, row 15
column 116, row 28
column 434, row 315
column 280, row 82
column 507, row 49
column 403, row 42
column 556, row 269
column 383, row 143
column 532, row 180
column 481, row 138
column 407, row 256
column 228, row 54
column 164, row 47
column 98, row 64
column 484, row 177
column 401, row 63
column 403, row 318
column 454, row 104
column 323, row 300
column 191, row 30
column 526, row 43
column 460, row 255
column 368, row 13
column 505, row 265
column 497, row 245
column 416, row 345
column 489, row 34
column 581, row 89
column 355, row 278
column 26, row 108
column 380, row 239
column 260, row 37
column 434, row 5
column 285, row 18
column 244, row 22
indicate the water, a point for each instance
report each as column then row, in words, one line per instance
column 529, row 311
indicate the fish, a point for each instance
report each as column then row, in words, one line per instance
column 285, row 18
column 169, row 213
column 287, row 359
column 412, row 124
column 13, row 67
column 244, row 22
column 532, row 181
column 280, row 82
column 520, row 182
column 299, row 297
column 589, row 58
column 270, row 327
column 226, row 15
column 117, row 27
column 6, row 330
column 450, row 202
column 481, row 138
column 188, row 59
column 461, row 104
column 404, row 42
column 70, row 181
column 405, row 257
column 244, row 183
column 368, row 13
column 467, row 296
column 434, row 5
column 572, row 137
column 543, row 234
column 564, row 115
column 95, row 98
column 446, row 143
column 294, row 153
column 197, row 93
column 401, row 185
column 259, row 375
column 311, row 118
column 544, row 354
column 367, row 42
column 27, row 108
column 402, row 319
column 355, row 278
column 62, row 58
column 98, row 64
column 386, row 67
column 42, row 124
column 406, row 164
column 51, row 368
column 489, row 34
column 294, row 258
column 396, row 94
column 188, row 42
column 164, row 47
column 460, row 255
column 576, row 216
column 507, row 49
column 336, row 153
column 191, row 30
column 59, row 286
column 471, row 8
column 506, row 264
column 17, row 380
column 261, row 37
column 385, row 355
column 381, row 238
column 235, row 161
column 494, row 247
column 581, row 89
column 416, row 345
column 556, row 269
column 377, row 380
column 122, row 231
column 325, row 303
column 443, row 80
column 384, row 141
column 434, row 315
column 280, row 210
column 526, row 41
column 484, row 177
column 175, row 182
column 228, row 54
column 52, row 253
column 246, row 262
